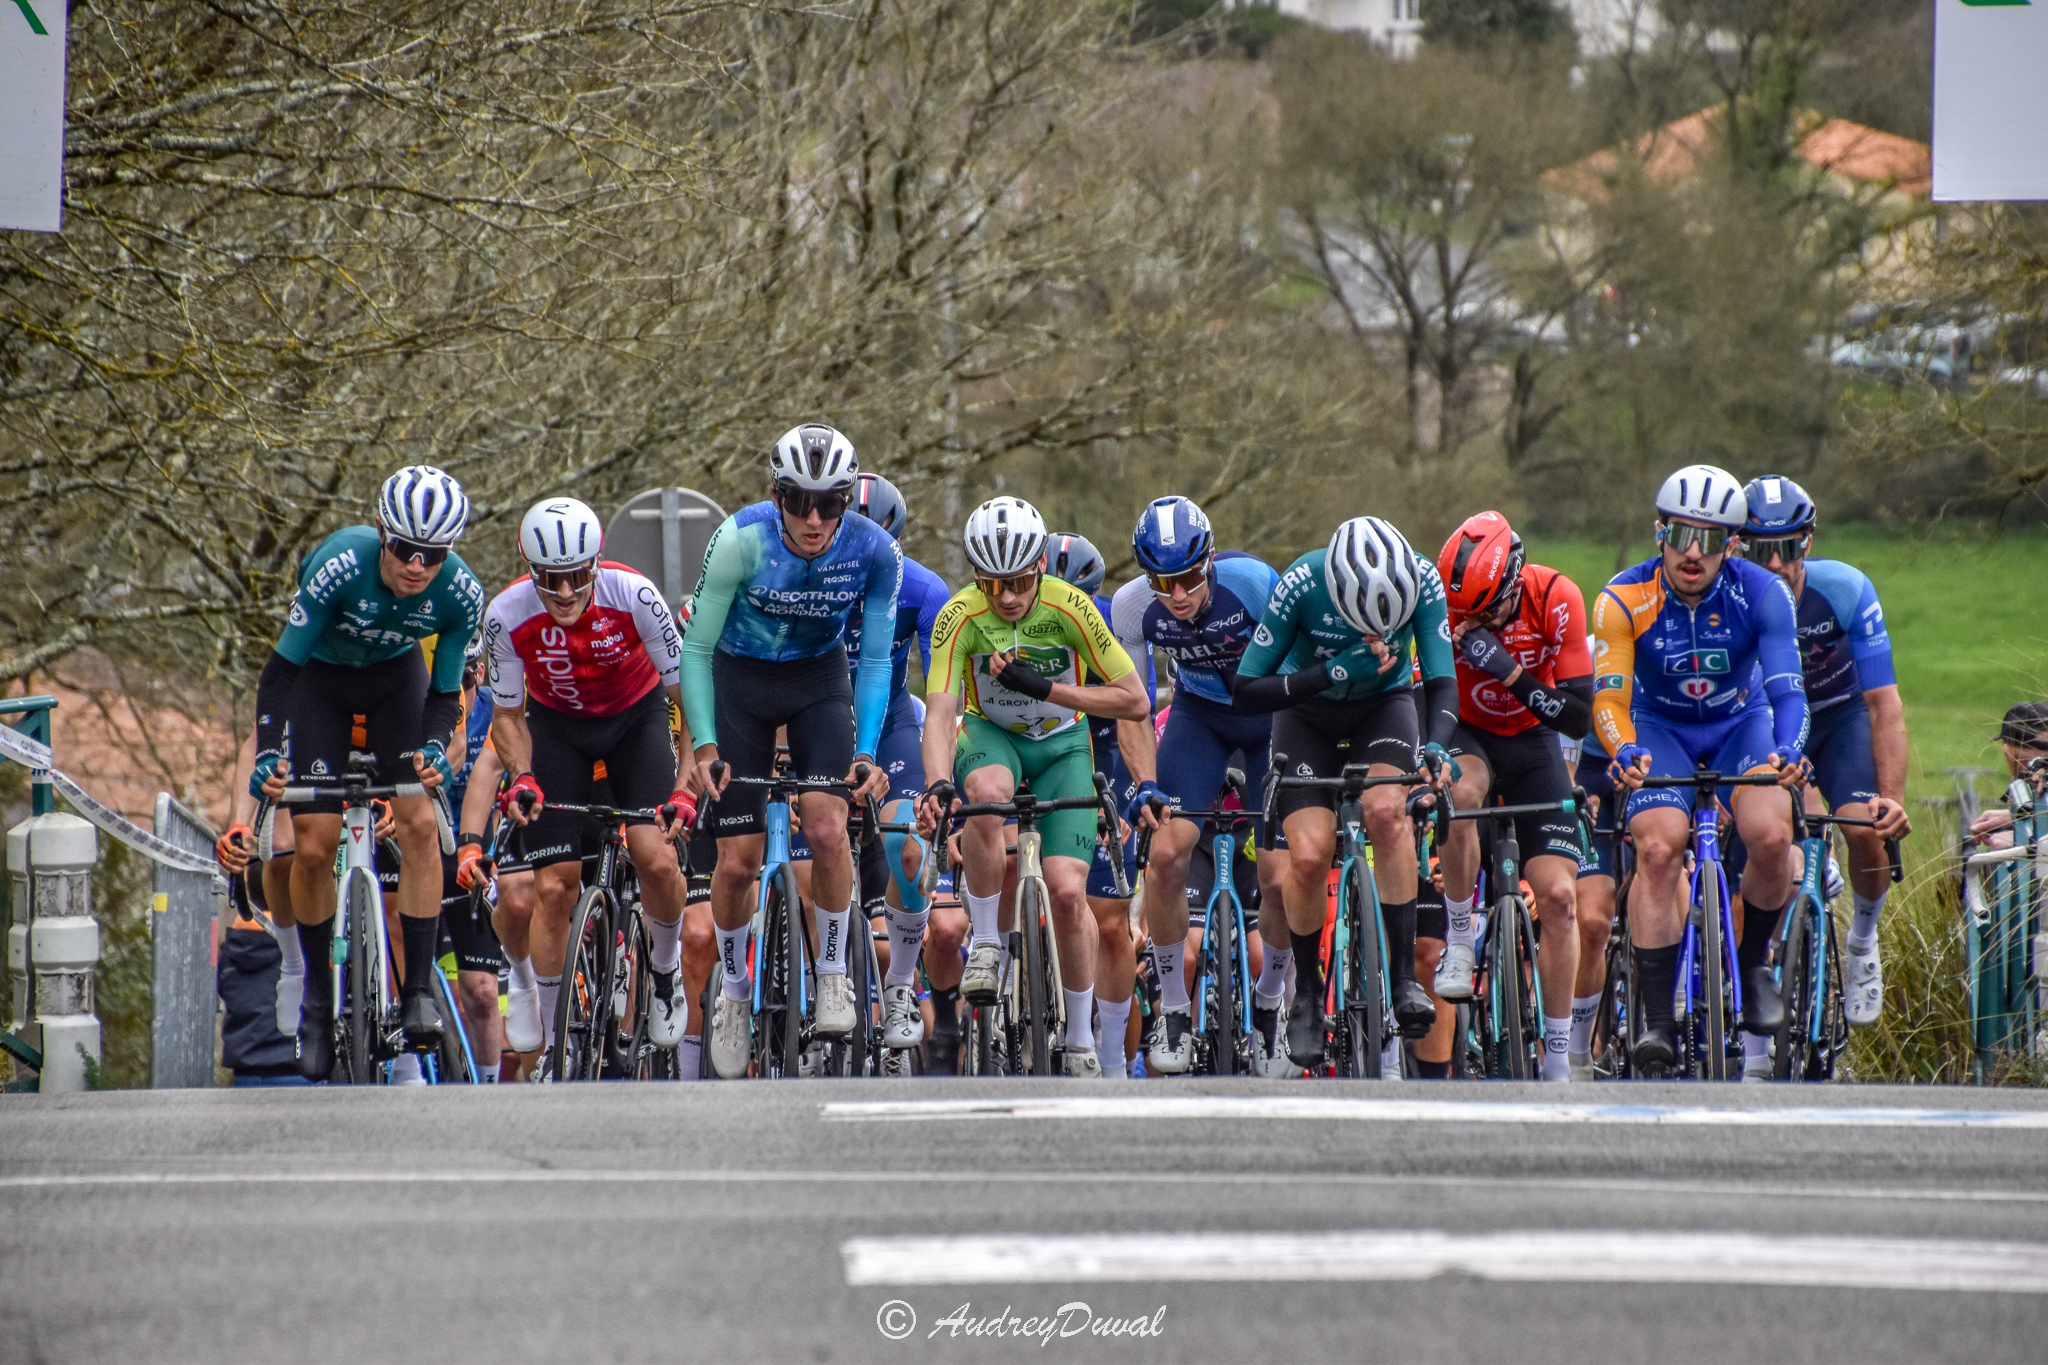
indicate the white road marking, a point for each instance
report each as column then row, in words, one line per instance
column 1580, row 1257
column 1344, row 1109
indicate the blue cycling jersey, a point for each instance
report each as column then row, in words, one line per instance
column 1102, row 730
column 476, row 734
column 1206, row 649
column 759, row 599
column 917, row 608
column 1843, row 646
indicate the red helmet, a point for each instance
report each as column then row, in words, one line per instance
column 1479, row 563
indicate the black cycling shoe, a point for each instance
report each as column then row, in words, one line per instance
column 1305, row 1034
column 942, row 1054
column 1413, row 1009
column 1763, row 1009
column 1656, row 1051
column 316, row 1041
column 422, row 1022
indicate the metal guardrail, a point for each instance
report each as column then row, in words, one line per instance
column 184, row 929
column 2005, row 905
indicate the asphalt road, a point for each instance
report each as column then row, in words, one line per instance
column 1239, row 1221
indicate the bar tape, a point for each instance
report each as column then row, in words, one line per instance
column 36, row 758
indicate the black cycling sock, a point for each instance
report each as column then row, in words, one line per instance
column 1432, row 1071
column 1656, row 976
column 946, row 1010
column 1758, row 928
column 1401, row 943
column 422, row 946
column 316, row 941
column 1308, row 963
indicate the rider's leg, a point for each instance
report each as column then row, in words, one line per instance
column 1166, row 908
column 312, row 874
column 732, row 907
column 1661, row 834
column 1278, row 956
column 1553, row 880
column 909, row 910
column 982, row 846
column 1451, row 977
column 1595, row 916
column 556, row 887
column 1074, row 930
column 1763, row 817
column 419, row 889
column 1393, row 861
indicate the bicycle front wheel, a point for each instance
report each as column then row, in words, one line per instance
column 1711, row 1008
column 583, row 1008
column 1795, row 1034
column 1365, row 978
column 452, row 1060
column 1038, row 1012
column 1504, row 978
column 363, row 1012
column 1226, row 1029
column 1617, row 1014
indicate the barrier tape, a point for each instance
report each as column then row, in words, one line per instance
column 36, row 758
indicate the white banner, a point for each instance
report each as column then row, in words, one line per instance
column 32, row 114
column 1990, row 99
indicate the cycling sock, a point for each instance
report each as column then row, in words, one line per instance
column 690, row 1057
column 486, row 1075
column 1080, row 1018
column 1557, row 1041
column 294, row 952
column 732, row 956
column 664, row 945
column 1459, row 913
column 1863, row 928
column 1755, row 1045
column 550, row 991
column 1401, row 942
column 522, row 973
column 1584, row 1007
column 1308, row 964
column 983, row 913
column 1271, row 986
column 1112, row 1021
column 422, row 945
column 946, row 1010
column 906, row 941
column 1757, row 928
column 1167, row 960
column 316, row 943
column 1432, row 1071
column 1656, row 975
column 832, row 938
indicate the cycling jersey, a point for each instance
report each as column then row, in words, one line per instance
column 1547, row 638
column 917, row 610
column 1109, row 759
column 1695, row 664
column 759, row 599
column 1843, row 646
column 622, row 647
column 1302, row 627
column 476, row 734
column 1062, row 635
column 344, row 614
column 1206, row 649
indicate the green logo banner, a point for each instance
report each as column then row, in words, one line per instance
column 35, row 25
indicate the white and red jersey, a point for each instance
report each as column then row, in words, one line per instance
column 1547, row 637
column 623, row 646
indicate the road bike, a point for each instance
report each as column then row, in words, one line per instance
column 1614, row 1019
column 1814, row 1031
column 1223, row 971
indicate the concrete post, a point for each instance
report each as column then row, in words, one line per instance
column 20, row 1009
column 52, row 857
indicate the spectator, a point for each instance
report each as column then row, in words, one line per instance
column 2025, row 738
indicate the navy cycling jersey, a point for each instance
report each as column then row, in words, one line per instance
column 917, row 609
column 476, row 734
column 1205, row 650
column 1844, row 649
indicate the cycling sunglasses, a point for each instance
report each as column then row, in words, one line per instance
column 1712, row 540
column 1788, row 549
column 801, row 502
column 1188, row 580
column 565, row 582
column 1020, row 584
column 406, row 551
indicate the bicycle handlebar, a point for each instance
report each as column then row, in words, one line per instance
column 360, row 793
column 1233, row 785
column 1706, row 780
column 1025, row 806
column 1800, row 818
column 1352, row 782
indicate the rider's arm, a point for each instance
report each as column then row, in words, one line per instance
column 512, row 740
column 1870, row 644
column 1888, row 740
column 1258, row 686
column 482, row 791
column 877, row 643
column 656, row 625
column 941, row 725
column 1777, row 634
column 1121, row 697
column 1138, row 742
column 727, row 562
column 933, row 598
column 1432, row 630
column 1614, row 671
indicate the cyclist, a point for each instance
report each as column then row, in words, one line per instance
column 465, row 925
column 764, row 650
column 1200, row 607
column 1017, row 642
column 890, row 867
column 1598, row 889
column 1680, row 638
column 367, row 596
column 1858, row 740
column 584, row 659
column 271, row 887
column 1524, row 678
column 1333, row 655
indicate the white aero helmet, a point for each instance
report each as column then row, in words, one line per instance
column 560, row 533
column 422, row 504
column 1700, row 492
column 814, row 457
column 1371, row 575
column 1005, row 536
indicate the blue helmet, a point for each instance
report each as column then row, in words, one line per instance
column 1777, row 507
column 1072, row 559
column 1172, row 537
column 875, row 498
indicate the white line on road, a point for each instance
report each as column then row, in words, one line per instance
column 1581, row 1257
column 1419, row 1111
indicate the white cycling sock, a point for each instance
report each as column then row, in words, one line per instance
column 1584, row 1007
column 1112, row 1021
column 550, row 992
column 1173, row 983
column 1271, row 987
column 664, row 945
column 832, row 941
column 486, row 1075
column 522, row 974
column 1080, row 1018
column 906, row 941
column 294, row 952
column 406, row 1070
column 1460, row 913
column 1863, row 928
column 690, row 1057
column 983, row 913
column 1557, row 1041
column 732, row 956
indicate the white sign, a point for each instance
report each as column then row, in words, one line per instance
column 1990, row 99
column 32, row 114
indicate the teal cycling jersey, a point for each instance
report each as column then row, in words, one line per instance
column 344, row 614
column 759, row 599
column 1302, row 627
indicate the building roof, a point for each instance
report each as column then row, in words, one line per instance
column 1832, row 145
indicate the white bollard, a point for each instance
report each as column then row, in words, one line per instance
column 19, row 1021
column 63, row 942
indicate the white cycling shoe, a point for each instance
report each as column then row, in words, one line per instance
column 1454, row 972
column 732, row 1035
column 1084, row 1064
column 835, row 1004
column 1172, row 1049
column 667, row 1020
column 291, row 999
column 902, row 1025
column 406, row 1070
column 1863, row 992
column 983, row 977
column 523, row 1031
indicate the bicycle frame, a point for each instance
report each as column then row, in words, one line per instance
column 774, row 858
column 1706, row 853
column 1224, row 851
column 357, row 862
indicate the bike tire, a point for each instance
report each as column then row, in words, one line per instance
column 1795, row 976
column 649, row 1063
column 1616, row 1019
column 1037, row 989
column 1226, row 1029
column 795, row 948
column 851, row 1054
column 1834, row 1022
column 981, row 1026
column 1532, row 993
column 1511, row 1046
column 1713, row 980
column 1468, row 1060
column 451, row 1060
column 363, row 1012
column 1367, row 1006
column 583, row 1007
